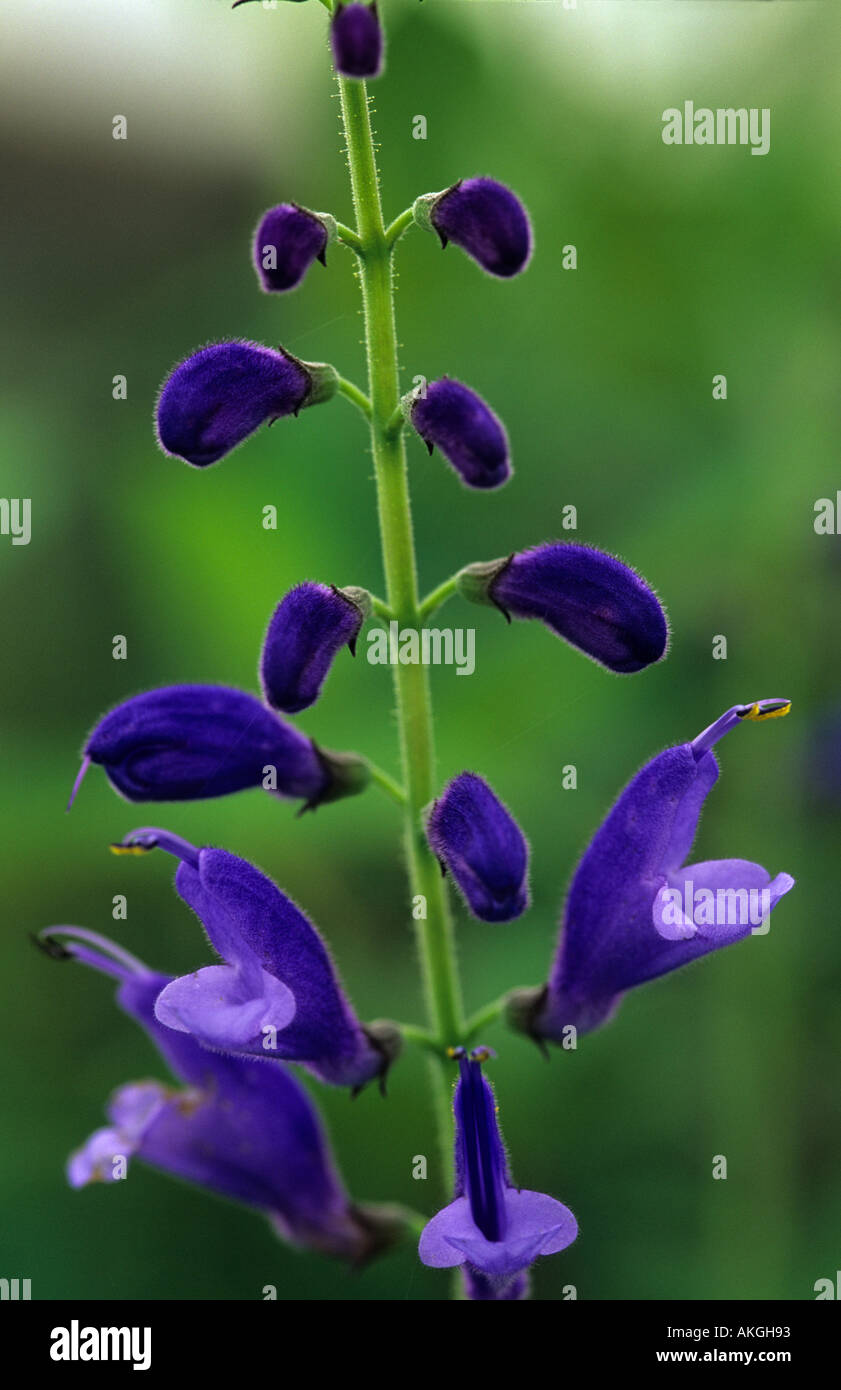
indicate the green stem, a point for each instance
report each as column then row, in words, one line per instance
column 414, row 714
column 353, row 393
column 381, row 608
column 438, row 596
column 398, row 227
column 349, row 237
column 388, row 784
column 482, row 1019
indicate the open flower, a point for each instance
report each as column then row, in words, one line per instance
column 309, row 627
column 277, row 993
column 635, row 910
column 286, row 242
column 191, row 742
column 243, row 1131
column 493, row 1228
column 456, row 420
column 587, row 597
column 478, row 840
column 485, row 219
column 215, row 399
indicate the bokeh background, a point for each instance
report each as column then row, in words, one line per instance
column 121, row 257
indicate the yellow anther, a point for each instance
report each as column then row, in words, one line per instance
column 775, row 712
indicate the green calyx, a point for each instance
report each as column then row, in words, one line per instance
column 475, row 582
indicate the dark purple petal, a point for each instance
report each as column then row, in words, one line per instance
column 478, row 840
column 188, row 742
column 357, row 41
column 277, row 995
column 623, row 923
column 286, row 242
column 454, row 419
column 308, row 629
column 215, row 399
column 491, row 1226
column 591, row 599
column 487, row 221
column 244, row 1131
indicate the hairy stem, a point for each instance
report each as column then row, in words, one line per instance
column 414, row 713
column 433, row 601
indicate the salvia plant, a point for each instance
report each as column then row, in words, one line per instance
column 237, row 1120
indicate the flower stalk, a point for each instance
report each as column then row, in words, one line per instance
column 414, row 710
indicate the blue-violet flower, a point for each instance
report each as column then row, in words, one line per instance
column 589, row 598
column 493, row 1228
column 471, row 437
column 478, row 840
column 246, row 1132
column 277, row 993
column 635, row 910
column 308, row 629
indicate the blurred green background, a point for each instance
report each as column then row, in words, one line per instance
column 122, row 257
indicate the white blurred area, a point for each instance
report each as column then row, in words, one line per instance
column 203, row 77
column 223, row 84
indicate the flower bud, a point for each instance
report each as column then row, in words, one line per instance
column 477, row 839
column 287, row 241
column 218, row 397
column 591, row 599
column 465, row 429
column 190, row 742
column 485, row 219
column 308, row 629
column 357, row 40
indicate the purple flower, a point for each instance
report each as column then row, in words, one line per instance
column 286, row 242
column 277, row 994
column 308, row 629
column 190, row 742
column 357, row 41
column 485, row 219
column 218, row 397
column 591, row 599
column 465, row 429
column 492, row 1227
column 245, row 1132
column 635, row 910
column 478, row 840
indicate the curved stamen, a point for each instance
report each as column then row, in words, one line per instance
column 80, row 777
column 758, row 710
column 150, row 837
column 109, row 957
